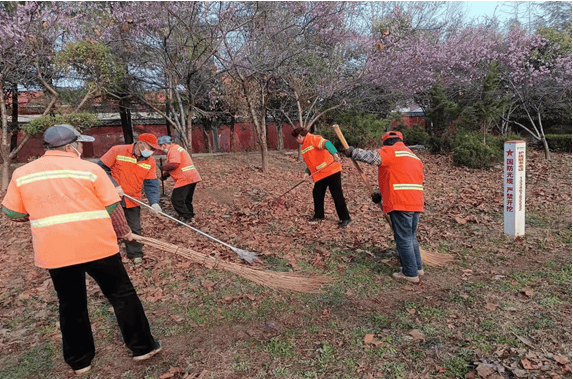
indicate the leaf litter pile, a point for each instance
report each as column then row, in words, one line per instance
column 501, row 309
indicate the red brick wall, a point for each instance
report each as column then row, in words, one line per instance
column 410, row 121
column 108, row 136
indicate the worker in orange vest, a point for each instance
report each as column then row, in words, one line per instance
column 180, row 167
column 75, row 216
column 400, row 178
column 132, row 168
column 323, row 165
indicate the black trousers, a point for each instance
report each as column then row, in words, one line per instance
column 182, row 200
column 334, row 183
column 133, row 217
column 110, row 275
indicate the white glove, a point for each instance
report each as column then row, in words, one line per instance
column 156, row 209
column 119, row 191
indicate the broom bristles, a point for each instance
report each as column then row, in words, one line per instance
column 435, row 259
column 280, row 280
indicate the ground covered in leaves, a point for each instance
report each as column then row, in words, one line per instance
column 502, row 309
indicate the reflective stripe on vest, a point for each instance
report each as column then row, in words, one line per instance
column 308, row 149
column 187, row 168
column 56, row 174
column 70, row 217
column 144, row 165
column 321, row 143
column 180, row 149
column 416, row 187
column 322, row 165
column 405, row 154
column 126, row 159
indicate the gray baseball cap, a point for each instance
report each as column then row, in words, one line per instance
column 164, row 140
column 61, row 135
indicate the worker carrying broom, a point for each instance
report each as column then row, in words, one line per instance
column 400, row 178
column 131, row 169
column 324, row 167
column 75, row 216
column 180, row 167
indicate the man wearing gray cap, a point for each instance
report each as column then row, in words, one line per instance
column 75, row 219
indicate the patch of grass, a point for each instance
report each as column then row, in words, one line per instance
column 280, row 348
column 241, row 366
column 393, row 370
column 278, row 264
column 34, row 362
column 434, row 313
column 549, row 300
column 458, row 366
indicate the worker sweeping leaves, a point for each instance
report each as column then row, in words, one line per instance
column 400, row 178
column 74, row 215
column 180, row 167
column 132, row 168
column 320, row 154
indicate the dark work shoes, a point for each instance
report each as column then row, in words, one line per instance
column 344, row 223
column 143, row 357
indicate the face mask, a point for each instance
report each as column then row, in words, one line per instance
column 146, row 153
column 165, row 150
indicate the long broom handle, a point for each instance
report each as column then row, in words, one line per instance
column 180, row 222
column 370, row 189
column 304, row 180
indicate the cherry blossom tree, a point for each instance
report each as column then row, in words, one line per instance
column 29, row 32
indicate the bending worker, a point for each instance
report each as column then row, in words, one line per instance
column 400, row 178
column 180, row 167
column 325, row 169
column 131, row 168
column 75, row 216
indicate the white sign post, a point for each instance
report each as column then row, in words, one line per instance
column 514, row 188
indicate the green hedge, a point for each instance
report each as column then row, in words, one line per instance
column 414, row 136
column 559, row 142
column 81, row 121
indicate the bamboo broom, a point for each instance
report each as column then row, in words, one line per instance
column 428, row 258
column 273, row 279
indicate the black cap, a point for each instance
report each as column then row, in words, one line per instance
column 61, row 135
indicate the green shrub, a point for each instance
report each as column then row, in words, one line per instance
column 440, row 145
column 414, row 136
column 470, row 151
column 559, row 142
column 359, row 129
column 81, row 121
column 497, row 143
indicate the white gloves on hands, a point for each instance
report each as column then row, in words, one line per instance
column 119, row 191
column 156, row 209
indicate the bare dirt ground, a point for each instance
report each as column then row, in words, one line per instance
column 502, row 309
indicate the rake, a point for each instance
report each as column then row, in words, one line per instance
column 273, row 279
column 243, row 254
column 428, row 258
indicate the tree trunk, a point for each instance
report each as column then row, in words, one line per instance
column 215, row 135
column 14, row 127
column 545, row 147
column 189, row 129
column 280, row 137
column 5, row 147
column 232, row 136
column 125, row 114
column 207, row 140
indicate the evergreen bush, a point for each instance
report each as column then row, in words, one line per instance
column 415, row 135
column 470, row 151
column 559, row 142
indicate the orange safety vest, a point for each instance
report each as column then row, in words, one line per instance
column 185, row 173
column 400, row 178
column 128, row 172
column 317, row 157
column 66, row 199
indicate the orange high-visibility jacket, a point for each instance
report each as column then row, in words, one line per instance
column 401, row 177
column 317, row 157
column 185, row 173
column 128, row 172
column 66, row 199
